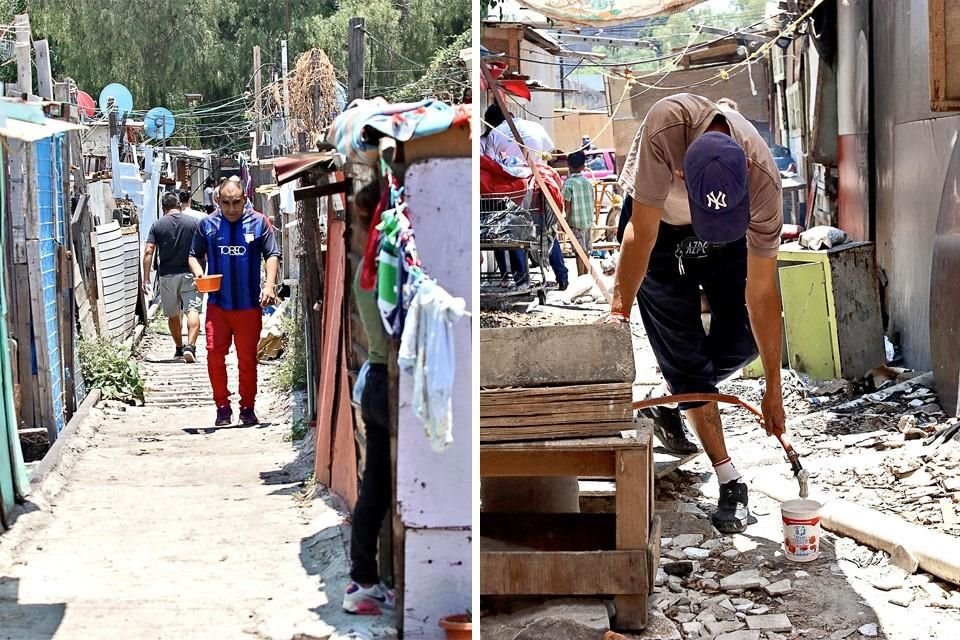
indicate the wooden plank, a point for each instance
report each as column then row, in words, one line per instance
column 556, row 355
column 642, row 439
column 563, row 572
column 552, row 531
column 44, row 383
column 85, row 315
column 101, row 315
column 21, row 25
column 634, row 487
column 343, row 476
column 18, row 199
column 44, row 75
column 546, row 463
column 332, row 312
column 21, row 330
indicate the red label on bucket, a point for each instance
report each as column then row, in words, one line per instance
column 809, row 522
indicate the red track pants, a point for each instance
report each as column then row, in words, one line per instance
column 243, row 329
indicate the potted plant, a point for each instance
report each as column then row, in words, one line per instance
column 459, row 626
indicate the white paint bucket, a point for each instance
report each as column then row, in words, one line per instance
column 801, row 529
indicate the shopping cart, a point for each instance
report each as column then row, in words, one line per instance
column 515, row 227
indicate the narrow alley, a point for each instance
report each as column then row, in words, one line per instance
column 157, row 520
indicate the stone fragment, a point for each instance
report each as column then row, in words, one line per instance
column 888, row 582
column 759, row 610
column 772, row 622
column 740, row 635
column 705, row 616
column 696, row 553
column 780, row 588
column 681, row 568
column 868, row 630
column 919, row 478
column 661, row 577
column 901, row 597
column 901, row 557
column 935, row 591
column 746, row 579
column 840, row 634
column 692, row 629
column 801, row 574
column 684, row 617
column 743, row 608
column 710, row 545
column 687, row 540
column 675, row 554
column 730, row 554
column 709, row 585
column 723, row 626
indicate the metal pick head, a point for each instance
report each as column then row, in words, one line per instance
column 803, row 477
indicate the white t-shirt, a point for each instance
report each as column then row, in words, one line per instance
column 500, row 145
column 208, row 196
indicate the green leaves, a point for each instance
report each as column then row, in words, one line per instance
column 111, row 367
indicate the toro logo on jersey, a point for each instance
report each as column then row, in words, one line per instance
column 233, row 250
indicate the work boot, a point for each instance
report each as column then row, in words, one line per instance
column 669, row 429
column 224, row 416
column 732, row 514
column 248, row 417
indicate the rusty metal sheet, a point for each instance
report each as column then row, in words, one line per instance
column 292, row 167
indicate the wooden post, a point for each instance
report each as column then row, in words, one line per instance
column 356, row 39
column 257, row 103
column 21, row 25
column 44, row 75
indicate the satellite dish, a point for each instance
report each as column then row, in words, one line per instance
column 86, row 104
column 122, row 100
column 158, row 123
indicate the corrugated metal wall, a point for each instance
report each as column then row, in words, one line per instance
column 48, row 153
column 912, row 152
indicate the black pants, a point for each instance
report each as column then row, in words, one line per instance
column 692, row 361
column 375, row 488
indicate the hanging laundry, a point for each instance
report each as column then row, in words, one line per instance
column 427, row 351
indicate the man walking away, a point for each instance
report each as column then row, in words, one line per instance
column 186, row 206
column 233, row 241
column 578, row 202
column 171, row 238
column 208, row 188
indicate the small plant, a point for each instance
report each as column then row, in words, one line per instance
column 292, row 371
column 298, row 431
column 111, row 368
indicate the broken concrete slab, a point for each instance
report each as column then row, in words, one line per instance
column 869, row 630
column 746, row 579
column 687, row 540
column 592, row 614
column 696, row 553
column 781, row 588
column 773, row 622
column 902, row 558
column 557, row 628
column 692, row 629
column 739, row 635
column 901, row 597
column 723, row 626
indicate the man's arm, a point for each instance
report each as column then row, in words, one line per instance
column 763, row 305
column 195, row 267
column 148, row 250
column 271, row 255
column 198, row 252
column 638, row 239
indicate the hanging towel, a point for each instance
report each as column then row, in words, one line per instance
column 427, row 350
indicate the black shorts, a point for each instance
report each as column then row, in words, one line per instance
column 692, row 361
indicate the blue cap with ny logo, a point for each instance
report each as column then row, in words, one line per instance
column 715, row 172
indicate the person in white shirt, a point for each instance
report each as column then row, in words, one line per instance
column 186, row 206
column 500, row 145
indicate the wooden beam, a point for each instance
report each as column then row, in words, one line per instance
column 568, row 573
column 41, row 345
column 21, row 24
column 320, row 190
column 634, row 487
column 44, row 75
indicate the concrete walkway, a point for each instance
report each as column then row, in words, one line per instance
column 157, row 525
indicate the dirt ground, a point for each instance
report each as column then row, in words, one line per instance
column 159, row 525
column 868, row 449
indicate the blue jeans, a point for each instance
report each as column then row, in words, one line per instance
column 518, row 263
column 556, row 263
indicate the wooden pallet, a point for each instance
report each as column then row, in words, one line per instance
column 555, row 412
column 576, row 554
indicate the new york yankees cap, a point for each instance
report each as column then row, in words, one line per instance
column 715, row 172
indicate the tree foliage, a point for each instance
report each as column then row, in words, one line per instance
column 164, row 49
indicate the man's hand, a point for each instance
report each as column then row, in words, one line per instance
column 614, row 317
column 147, row 288
column 268, row 295
column 774, row 419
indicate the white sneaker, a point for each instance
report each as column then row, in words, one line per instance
column 369, row 601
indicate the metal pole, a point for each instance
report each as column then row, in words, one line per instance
column 256, row 94
column 286, row 92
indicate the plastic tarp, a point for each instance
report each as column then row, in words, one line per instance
column 605, row 12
